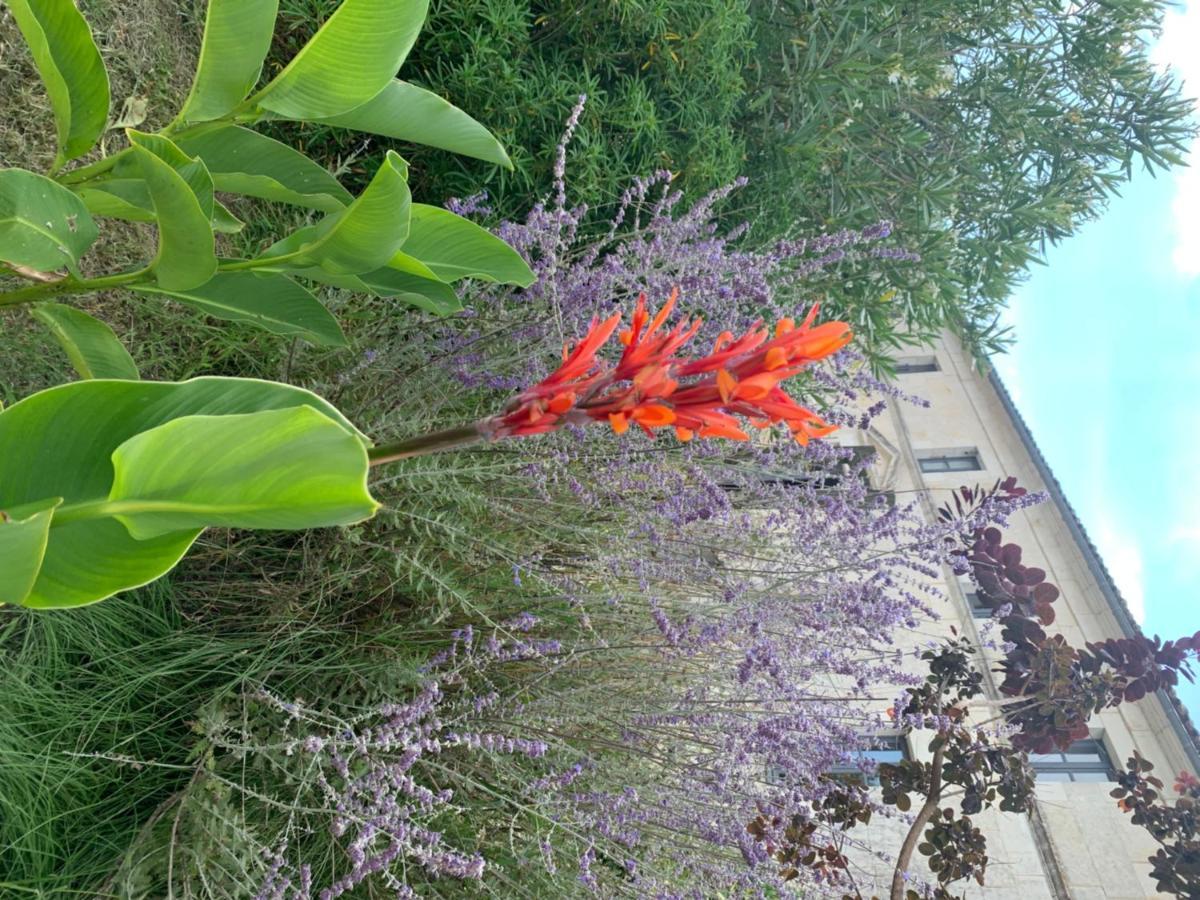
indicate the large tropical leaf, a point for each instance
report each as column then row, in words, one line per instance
column 192, row 170
column 24, row 533
column 271, row 301
column 42, row 224
column 363, row 236
column 455, row 248
column 282, row 469
column 71, row 68
column 244, row 162
column 408, row 113
column 129, row 199
column 186, row 257
column 237, row 36
column 431, row 295
column 353, row 57
column 72, row 442
column 93, row 348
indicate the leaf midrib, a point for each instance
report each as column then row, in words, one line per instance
column 107, row 509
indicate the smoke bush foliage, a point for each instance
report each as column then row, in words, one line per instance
column 679, row 638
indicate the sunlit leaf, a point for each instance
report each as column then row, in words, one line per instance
column 42, row 224
column 455, row 248
column 237, row 36
column 245, row 162
column 362, row 237
column 405, row 112
column 281, row 469
column 61, row 443
column 24, row 533
column 353, row 57
column 186, row 257
column 271, row 301
column 91, row 346
column 71, row 68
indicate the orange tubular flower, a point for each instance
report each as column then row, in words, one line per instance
column 653, row 388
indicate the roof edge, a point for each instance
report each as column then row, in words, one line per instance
column 1172, row 707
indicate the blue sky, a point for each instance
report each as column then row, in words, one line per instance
column 1106, row 370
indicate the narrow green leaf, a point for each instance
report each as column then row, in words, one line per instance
column 406, row 112
column 42, row 224
column 237, row 36
column 93, row 348
column 24, row 533
column 271, row 301
column 71, row 68
column 353, row 57
column 455, row 248
column 283, row 469
column 59, row 443
column 245, row 162
column 186, row 257
column 365, row 235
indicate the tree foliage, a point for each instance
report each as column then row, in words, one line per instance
column 982, row 130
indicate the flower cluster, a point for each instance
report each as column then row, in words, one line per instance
column 652, row 387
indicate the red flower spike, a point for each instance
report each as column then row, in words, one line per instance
column 726, row 385
column 654, row 388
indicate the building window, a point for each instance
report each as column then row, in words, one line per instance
column 1082, row 761
column 884, row 748
column 953, row 461
column 887, row 748
column 979, row 609
column 831, row 478
column 914, row 364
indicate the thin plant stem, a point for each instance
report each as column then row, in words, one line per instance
column 435, row 442
column 68, row 285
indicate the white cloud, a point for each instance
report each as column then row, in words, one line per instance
column 1185, row 534
column 1123, row 559
column 1177, row 49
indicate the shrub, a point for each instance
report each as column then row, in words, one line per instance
column 665, row 80
column 982, row 131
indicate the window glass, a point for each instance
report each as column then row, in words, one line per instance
column 890, row 748
column 967, row 461
column 1082, row 761
column 979, row 609
column 915, row 364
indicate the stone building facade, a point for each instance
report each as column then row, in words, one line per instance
column 1076, row 844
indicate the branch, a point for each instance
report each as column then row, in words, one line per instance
column 928, row 811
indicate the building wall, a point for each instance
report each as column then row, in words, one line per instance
column 1078, row 844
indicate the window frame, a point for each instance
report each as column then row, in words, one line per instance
column 852, row 773
column 979, row 609
column 1102, row 764
column 946, row 458
column 917, row 365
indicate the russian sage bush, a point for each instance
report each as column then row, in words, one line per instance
column 634, row 648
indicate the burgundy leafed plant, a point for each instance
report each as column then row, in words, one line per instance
column 655, row 387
